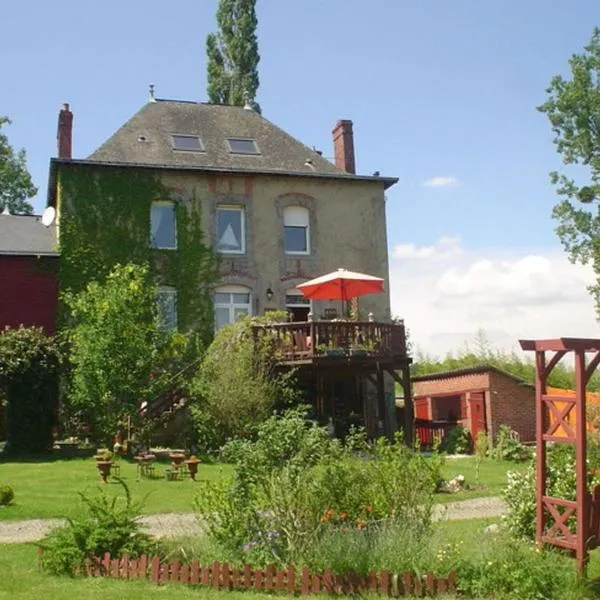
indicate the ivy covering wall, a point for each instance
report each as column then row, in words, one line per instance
column 105, row 220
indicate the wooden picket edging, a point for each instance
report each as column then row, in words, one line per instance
column 222, row 576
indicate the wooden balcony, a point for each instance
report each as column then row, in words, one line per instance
column 335, row 342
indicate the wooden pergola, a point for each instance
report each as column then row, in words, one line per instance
column 553, row 425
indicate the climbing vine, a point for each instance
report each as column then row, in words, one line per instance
column 105, row 220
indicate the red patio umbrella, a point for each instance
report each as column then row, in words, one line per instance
column 341, row 285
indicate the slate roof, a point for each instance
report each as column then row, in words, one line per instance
column 145, row 140
column 22, row 235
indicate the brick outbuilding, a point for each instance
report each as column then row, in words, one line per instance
column 479, row 398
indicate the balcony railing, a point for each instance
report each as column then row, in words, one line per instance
column 316, row 340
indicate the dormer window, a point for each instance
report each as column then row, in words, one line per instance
column 187, row 143
column 242, row 146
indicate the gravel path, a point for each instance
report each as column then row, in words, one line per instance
column 185, row 524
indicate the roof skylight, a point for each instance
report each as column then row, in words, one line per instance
column 242, row 146
column 188, row 143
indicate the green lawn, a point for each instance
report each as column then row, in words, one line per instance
column 48, row 488
column 21, row 579
column 492, row 477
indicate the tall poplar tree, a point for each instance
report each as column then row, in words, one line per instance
column 233, row 55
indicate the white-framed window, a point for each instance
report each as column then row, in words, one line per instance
column 231, row 238
column 163, row 228
column 167, row 308
column 232, row 302
column 296, row 230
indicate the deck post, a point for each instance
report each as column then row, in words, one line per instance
column 381, row 405
column 409, row 409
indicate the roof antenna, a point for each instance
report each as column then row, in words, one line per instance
column 151, row 97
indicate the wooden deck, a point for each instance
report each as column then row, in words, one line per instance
column 335, row 342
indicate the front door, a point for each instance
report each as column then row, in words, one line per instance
column 477, row 403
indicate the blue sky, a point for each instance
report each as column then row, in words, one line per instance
column 436, row 89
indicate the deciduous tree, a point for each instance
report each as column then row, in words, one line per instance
column 573, row 108
column 233, row 55
column 119, row 354
column 16, row 186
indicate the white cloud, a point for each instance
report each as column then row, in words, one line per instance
column 445, row 294
column 435, row 182
column 445, row 247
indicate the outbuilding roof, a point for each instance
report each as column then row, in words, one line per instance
column 23, row 235
column 477, row 369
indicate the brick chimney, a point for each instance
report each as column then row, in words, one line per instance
column 343, row 146
column 64, row 135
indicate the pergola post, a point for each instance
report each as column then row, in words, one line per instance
column 553, row 425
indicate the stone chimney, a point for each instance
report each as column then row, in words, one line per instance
column 64, row 135
column 343, row 146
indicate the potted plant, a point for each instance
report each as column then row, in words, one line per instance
column 101, row 454
column 330, row 350
column 177, row 458
column 104, row 465
column 358, row 350
column 192, row 464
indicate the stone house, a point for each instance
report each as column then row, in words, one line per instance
column 181, row 176
column 479, row 398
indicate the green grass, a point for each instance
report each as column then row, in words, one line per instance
column 492, row 477
column 22, row 579
column 48, row 488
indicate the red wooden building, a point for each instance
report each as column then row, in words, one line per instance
column 28, row 272
column 479, row 398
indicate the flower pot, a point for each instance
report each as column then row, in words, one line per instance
column 335, row 352
column 358, row 352
column 192, row 467
column 104, row 468
column 177, row 458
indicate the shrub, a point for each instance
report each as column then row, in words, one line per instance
column 514, row 569
column 109, row 526
column 390, row 545
column 29, row 363
column 6, row 495
column 482, row 447
column 519, row 492
column 236, row 386
column 293, row 484
column 509, row 448
column 457, row 441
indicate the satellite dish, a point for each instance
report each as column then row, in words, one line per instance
column 49, row 216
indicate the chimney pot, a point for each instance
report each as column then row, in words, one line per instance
column 343, row 146
column 64, row 134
